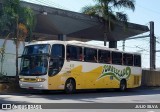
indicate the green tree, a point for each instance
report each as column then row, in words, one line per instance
column 16, row 22
column 108, row 10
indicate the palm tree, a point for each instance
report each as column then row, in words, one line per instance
column 105, row 10
column 18, row 23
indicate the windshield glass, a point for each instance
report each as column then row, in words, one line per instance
column 36, row 49
column 34, row 65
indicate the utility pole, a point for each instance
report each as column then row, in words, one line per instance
column 152, row 47
column 105, row 38
column 123, row 45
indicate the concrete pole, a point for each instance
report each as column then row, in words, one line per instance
column 62, row 37
column 112, row 44
column 123, row 45
column 105, row 39
column 152, row 47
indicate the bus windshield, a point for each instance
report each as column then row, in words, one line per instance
column 36, row 49
column 35, row 60
column 34, row 65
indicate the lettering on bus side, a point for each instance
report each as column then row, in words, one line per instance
column 118, row 74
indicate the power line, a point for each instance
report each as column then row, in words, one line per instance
column 49, row 3
column 44, row 3
column 127, row 46
column 151, row 10
column 142, row 48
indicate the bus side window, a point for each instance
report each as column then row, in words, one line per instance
column 68, row 55
column 128, row 59
column 137, row 60
column 74, row 53
column 108, row 60
column 90, row 55
column 104, row 56
column 80, row 55
column 117, row 58
column 100, row 56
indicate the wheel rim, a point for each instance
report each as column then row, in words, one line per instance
column 123, row 86
column 70, row 86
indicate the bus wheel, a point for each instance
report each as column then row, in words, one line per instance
column 70, row 86
column 123, row 85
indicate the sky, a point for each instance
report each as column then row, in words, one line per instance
column 145, row 11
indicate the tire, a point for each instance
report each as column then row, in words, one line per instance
column 123, row 85
column 70, row 86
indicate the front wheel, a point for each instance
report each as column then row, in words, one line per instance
column 70, row 86
column 123, row 85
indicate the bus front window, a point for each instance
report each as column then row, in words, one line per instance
column 34, row 65
column 35, row 60
column 36, row 49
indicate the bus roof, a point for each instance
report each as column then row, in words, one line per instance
column 79, row 43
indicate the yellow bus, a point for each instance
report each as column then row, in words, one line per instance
column 74, row 65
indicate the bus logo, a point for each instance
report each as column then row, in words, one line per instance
column 118, row 74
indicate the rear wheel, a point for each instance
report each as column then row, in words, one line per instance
column 70, row 86
column 123, row 85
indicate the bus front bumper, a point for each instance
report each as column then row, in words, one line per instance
column 37, row 85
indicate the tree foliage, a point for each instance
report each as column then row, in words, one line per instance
column 109, row 10
column 15, row 17
column 16, row 22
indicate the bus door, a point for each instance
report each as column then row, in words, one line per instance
column 55, row 65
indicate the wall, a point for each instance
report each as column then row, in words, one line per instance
column 150, row 78
column 9, row 65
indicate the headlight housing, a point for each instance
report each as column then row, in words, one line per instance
column 40, row 79
column 22, row 79
column 32, row 79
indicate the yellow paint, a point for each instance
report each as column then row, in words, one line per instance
column 87, row 80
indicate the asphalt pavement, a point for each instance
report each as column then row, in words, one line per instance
column 132, row 96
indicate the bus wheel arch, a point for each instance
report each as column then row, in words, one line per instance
column 70, row 86
column 123, row 85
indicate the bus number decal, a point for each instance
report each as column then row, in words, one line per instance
column 72, row 65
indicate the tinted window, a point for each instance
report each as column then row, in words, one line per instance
column 117, row 58
column 90, row 55
column 137, row 60
column 36, row 49
column 57, row 51
column 128, row 59
column 74, row 53
column 57, row 59
column 104, row 56
column 34, row 65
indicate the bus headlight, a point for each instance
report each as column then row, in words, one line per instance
column 21, row 79
column 40, row 79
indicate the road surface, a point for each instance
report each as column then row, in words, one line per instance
column 141, row 95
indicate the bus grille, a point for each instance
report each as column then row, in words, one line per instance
column 136, row 80
column 29, row 80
